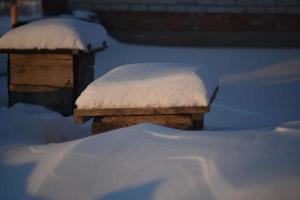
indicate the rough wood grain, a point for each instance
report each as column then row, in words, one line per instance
column 31, row 88
column 141, row 111
column 50, row 79
column 101, row 124
column 80, row 120
column 53, row 70
column 40, row 57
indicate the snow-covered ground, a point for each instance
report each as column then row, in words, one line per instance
column 248, row 150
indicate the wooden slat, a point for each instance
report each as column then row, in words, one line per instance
column 80, row 119
column 197, row 112
column 101, row 124
column 141, row 111
column 53, row 70
column 40, row 58
column 31, row 88
column 197, row 117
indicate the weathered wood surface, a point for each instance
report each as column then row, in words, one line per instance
column 52, row 80
column 54, row 70
column 191, row 118
column 102, row 124
column 13, row 13
column 31, row 88
column 140, row 111
column 81, row 119
column 81, row 115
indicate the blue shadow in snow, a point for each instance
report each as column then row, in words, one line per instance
column 144, row 192
column 13, row 181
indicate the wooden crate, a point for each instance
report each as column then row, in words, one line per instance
column 184, row 121
column 187, row 118
column 52, row 78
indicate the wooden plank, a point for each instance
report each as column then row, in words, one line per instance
column 197, row 112
column 145, row 111
column 101, row 124
column 31, row 88
column 141, row 111
column 80, row 120
column 42, row 70
column 197, row 117
column 40, row 58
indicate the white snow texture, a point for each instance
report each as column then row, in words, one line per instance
column 55, row 33
column 156, row 85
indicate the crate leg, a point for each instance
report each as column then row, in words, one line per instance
column 198, row 122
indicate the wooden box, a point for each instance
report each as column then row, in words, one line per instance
column 186, row 118
column 52, row 78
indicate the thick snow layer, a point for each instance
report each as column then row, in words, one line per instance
column 55, row 33
column 150, row 85
column 154, row 162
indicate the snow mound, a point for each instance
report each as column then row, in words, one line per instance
column 150, row 85
column 31, row 124
column 55, row 33
column 289, row 127
column 153, row 162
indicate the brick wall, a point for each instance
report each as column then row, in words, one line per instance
column 191, row 6
column 268, row 23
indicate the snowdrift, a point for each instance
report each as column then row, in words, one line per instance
column 153, row 162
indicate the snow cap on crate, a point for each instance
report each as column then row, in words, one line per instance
column 150, row 85
column 55, row 33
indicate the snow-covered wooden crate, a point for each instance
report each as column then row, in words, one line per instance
column 51, row 61
column 171, row 94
